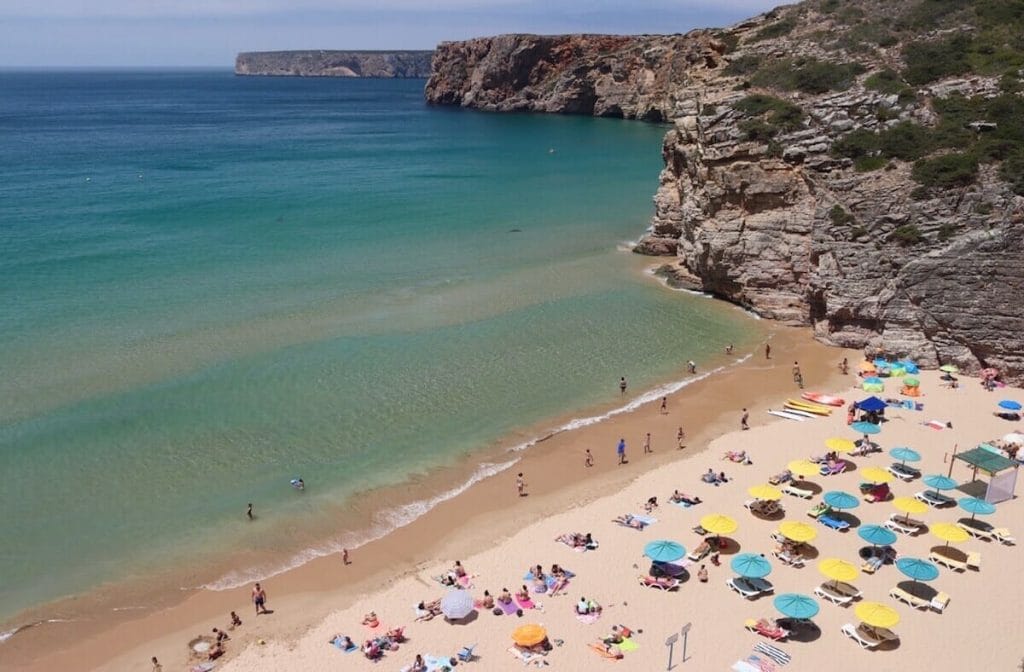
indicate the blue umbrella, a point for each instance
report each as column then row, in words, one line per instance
column 975, row 506
column 910, row 367
column 664, row 551
column 876, row 535
column 918, row 569
column 1010, row 405
column 796, row 605
column 874, row 380
column 838, row 499
column 751, row 565
column 939, row 482
column 865, row 428
column 871, row 404
column 881, row 362
column 905, row 454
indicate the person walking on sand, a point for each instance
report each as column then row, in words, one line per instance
column 344, row 557
column 259, row 598
column 681, row 438
column 744, row 424
column 647, row 443
column 622, row 385
column 664, row 405
column 248, row 511
column 621, row 450
column 767, row 350
column 521, row 485
column 844, row 366
column 588, row 461
column 796, row 371
column 799, row 380
column 157, row 667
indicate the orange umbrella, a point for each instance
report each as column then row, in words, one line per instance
column 530, row 634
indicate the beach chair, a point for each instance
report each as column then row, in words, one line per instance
column 833, row 523
column 902, row 471
column 750, row 588
column 669, row 570
column 1002, row 534
column 868, row 638
column 837, row 592
column 940, row 602
column 766, row 628
column 791, row 489
column 819, row 509
column 973, row 560
column 935, row 499
column 702, row 551
column 948, row 562
column 977, row 529
column 834, row 470
column 659, row 582
column 914, row 601
column 781, row 477
column 788, row 559
column 466, row 653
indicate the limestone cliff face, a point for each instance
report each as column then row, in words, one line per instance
column 387, row 64
column 799, row 181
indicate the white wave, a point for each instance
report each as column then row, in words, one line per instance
column 7, row 634
column 386, row 523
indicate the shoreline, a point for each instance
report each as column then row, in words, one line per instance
column 94, row 642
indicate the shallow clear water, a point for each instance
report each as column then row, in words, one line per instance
column 213, row 284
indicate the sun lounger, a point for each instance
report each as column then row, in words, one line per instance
column 982, row 531
column 791, row 489
column 1004, row 536
column 750, row 588
column 833, row 523
column 788, row 559
column 819, row 509
column 914, row 601
column 702, row 551
column 932, row 498
column 660, row 582
column 834, row 470
column 781, row 477
column 667, row 569
column 945, row 561
column 764, row 508
column 940, row 602
column 765, row 628
column 974, row 560
column 868, row 638
column 902, row 471
column 837, row 592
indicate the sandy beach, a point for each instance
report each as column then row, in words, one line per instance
column 498, row 536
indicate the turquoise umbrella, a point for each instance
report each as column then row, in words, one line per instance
column 939, row 482
column 751, row 565
column 905, row 454
column 918, row 569
column 865, row 428
column 838, row 499
column 977, row 507
column 664, row 551
column 1010, row 405
column 796, row 605
column 876, row 535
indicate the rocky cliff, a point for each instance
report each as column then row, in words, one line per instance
column 855, row 166
column 411, row 64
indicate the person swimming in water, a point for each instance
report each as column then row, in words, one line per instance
column 299, row 484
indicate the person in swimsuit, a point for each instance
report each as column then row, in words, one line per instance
column 259, row 598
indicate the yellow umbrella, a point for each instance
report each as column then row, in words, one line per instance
column 876, row 475
column 530, row 634
column 909, row 505
column 876, row 614
column 838, row 570
column 866, row 366
column 838, row 445
column 797, row 531
column 804, row 468
column 765, row 492
column 716, row 523
column 949, row 532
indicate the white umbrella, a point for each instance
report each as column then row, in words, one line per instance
column 457, row 604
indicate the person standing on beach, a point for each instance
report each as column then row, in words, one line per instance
column 521, row 485
column 588, row 461
column 157, row 667
column 344, row 557
column 647, row 443
column 743, row 421
column 259, row 598
column 681, row 438
column 796, row 371
column 767, row 350
column 622, row 385
column 621, row 450
column 664, row 405
column 248, row 511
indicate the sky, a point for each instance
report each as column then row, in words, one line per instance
column 113, row 33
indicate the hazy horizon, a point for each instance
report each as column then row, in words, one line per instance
column 67, row 34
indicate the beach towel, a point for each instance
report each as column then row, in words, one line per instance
column 526, row 604
column 773, row 652
column 599, row 648
column 509, row 608
column 337, row 644
column 935, row 424
column 589, row 619
column 437, row 663
column 203, row 667
column 628, row 645
column 646, row 520
column 683, row 505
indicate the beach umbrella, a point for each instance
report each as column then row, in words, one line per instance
column 795, row 605
column 917, row 569
column 751, row 565
column 765, row 492
column 876, row 614
column 1010, row 405
column 865, row 428
column 949, row 533
column 457, row 604
column 866, row 366
column 909, row 505
column 873, row 387
column 910, row 381
column 871, row 404
column 949, row 368
column 529, row 634
column 880, row 362
column 874, row 380
column 716, row 523
column 804, row 468
column 905, row 454
column 664, row 551
column 838, row 570
column 876, row 535
column 939, row 482
column 976, row 507
column 875, row 475
column 838, row 499
column 1014, row 437
column 797, row 531
column 838, row 445
column 909, row 367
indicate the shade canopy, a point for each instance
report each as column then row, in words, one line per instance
column 875, row 475
column 949, row 368
column 909, row 505
column 804, row 468
column 949, row 532
column 795, row 605
column 917, row 569
column 871, row 404
column 1014, row 437
column 986, row 461
column 865, row 428
column 1010, row 405
column 838, row 499
column 905, row 454
column 876, row 535
column 939, row 482
column 457, row 604
column 876, row 614
column 838, row 570
column 664, row 550
column 766, row 492
column 838, row 445
column 751, row 565
column 797, row 531
column 716, row 523
column 975, row 506
column 529, row 634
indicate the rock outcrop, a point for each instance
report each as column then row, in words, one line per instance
column 823, row 167
column 386, row 64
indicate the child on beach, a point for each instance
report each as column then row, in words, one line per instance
column 588, row 461
column 664, row 405
column 235, row 621
column 744, row 424
column 521, row 485
column 702, row 574
column 621, row 451
column 681, row 438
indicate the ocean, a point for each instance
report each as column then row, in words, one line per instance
column 212, row 285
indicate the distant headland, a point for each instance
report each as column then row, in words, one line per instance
column 323, row 63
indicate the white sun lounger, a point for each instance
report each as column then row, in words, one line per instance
column 902, row 471
column 914, row 601
column 797, row 492
column 940, row 602
column 950, row 563
column 866, row 640
column 750, row 588
column 978, row 532
column 902, row 528
column 837, row 592
column 932, row 498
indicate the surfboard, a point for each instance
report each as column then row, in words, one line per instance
column 817, row 409
column 819, row 398
column 800, row 412
column 787, row 415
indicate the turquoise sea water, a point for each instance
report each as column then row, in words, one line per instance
column 212, row 284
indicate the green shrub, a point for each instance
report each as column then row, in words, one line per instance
column 1012, row 171
column 730, row 40
column 984, row 208
column 946, row 231
column 888, row 81
column 870, row 151
column 767, row 117
column 858, row 232
column 744, row 65
column 929, row 14
column 930, row 61
column 777, row 29
column 948, row 170
column 908, row 234
column 865, row 164
column 1010, row 83
column 840, row 217
column 808, row 75
column 758, row 130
